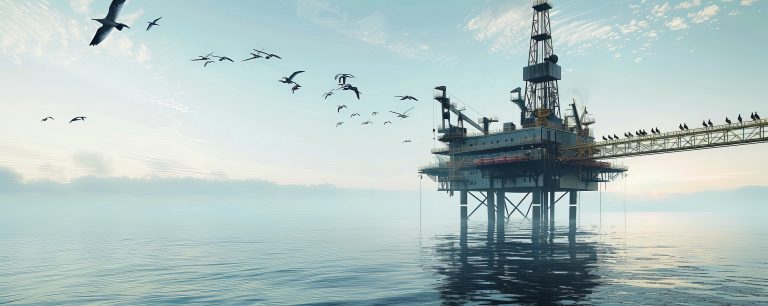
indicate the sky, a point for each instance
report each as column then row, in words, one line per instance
column 152, row 113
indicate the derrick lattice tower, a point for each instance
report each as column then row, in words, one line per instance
column 542, row 100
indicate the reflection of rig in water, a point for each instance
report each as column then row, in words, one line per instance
column 549, row 154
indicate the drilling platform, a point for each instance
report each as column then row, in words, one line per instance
column 551, row 155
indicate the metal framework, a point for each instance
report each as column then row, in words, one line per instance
column 698, row 139
column 541, row 88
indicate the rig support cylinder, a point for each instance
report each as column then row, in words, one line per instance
column 463, row 216
column 572, row 210
column 490, row 202
column 501, row 205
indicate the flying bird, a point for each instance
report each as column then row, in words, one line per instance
column 353, row 115
column 203, row 57
column 403, row 98
column 208, row 62
column 295, row 87
column 403, row 115
column 366, row 123
column 339, row 123
column 289, row 80
column 153, row 23
column 268, row 55
column 253, row 56
column 80, row 118
column 352, row 88
column 387, row 122
column 342, row 78
column 338, row 109
column 327, row 94
column 109, row 22
column 46, row 119
column 374, row 113
column 407, row 141
column 223, row 58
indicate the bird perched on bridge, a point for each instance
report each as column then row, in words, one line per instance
column 685, row 125
column 289, row 80
column 342, row 78
column 757, row 117
column 625, row 135
column 153, row 23
column 681, row 127
column 340, row 107
column 403, row 98
column 605, row 138
column 615, row 136
column 704, row 123
column 610, row 137
column 740, row 119
column 109, row 22
column 46, row 119
column 79, row 118
column 223, row 58
column 709, row 122
column 354, row 115
column 339, row 123
column 727, row 120
column 352, row 88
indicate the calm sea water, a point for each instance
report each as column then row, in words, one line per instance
column 230, row 255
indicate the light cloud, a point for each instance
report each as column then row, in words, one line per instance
column 705, row 14
column 677, row 24
column 81, row 6
column 687, row 5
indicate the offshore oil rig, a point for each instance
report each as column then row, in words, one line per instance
column 550, row 156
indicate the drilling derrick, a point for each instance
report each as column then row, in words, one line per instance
column 542, row 107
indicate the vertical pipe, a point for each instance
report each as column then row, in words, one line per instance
column 491, row 204
column 463, row 216
column 536, row 213
column 501, row 214
column 572, row 210
column 552, row 210
column 545, row 207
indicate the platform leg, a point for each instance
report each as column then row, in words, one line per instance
column 491, row 204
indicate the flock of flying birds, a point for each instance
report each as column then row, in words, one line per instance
column 110, row 22
column 683, row 127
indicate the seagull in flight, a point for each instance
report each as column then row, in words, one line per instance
column 289, row 80
column 80, row 118
column 295, row 87
column 342, row 78
column 109, row 22
column 223, row 58
column 366, row 123
column 374, row 113
column 403, row 98
column 47, row 118
column 352, row 88
column 153, row 23
column 402, row 115
column 203, row 57
column 387, row 122
column 253, row 56
column 327, row 94
column 339, row 123
column 268, row 55
column 208, row 62
column 407, row 141
column 353, row 115
column 340, row 107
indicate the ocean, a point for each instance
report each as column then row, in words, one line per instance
column 132, row 252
